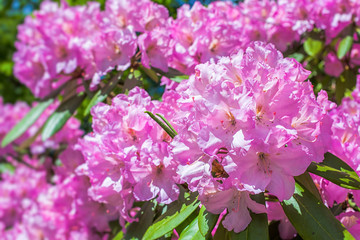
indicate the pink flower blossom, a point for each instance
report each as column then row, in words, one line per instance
column 275, row 212
column 127, row 157
column 248, row 114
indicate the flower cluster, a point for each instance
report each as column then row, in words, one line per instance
column 246, row 124
column 127, row 156
column 33, row 208
column 63, row 43
column 43, row 201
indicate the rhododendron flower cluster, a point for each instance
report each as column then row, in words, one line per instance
column 34, row 209
column 247, row 113
column 64, row 43
column 37, row 204
column 127, row 155
column 237, row 134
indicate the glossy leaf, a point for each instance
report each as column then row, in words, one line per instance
column 191, row 232
column 206, row 221
column 26, row 122
column 165, row 126
column 313, row 47
column 59, row 118
column 172, row 218
column 337, row 171
column 344, row 46
column 306, row 180
column 311, row 218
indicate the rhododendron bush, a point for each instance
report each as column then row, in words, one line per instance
column 225, row 121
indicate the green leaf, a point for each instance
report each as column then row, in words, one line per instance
column 306, row 180
column 167, row 123
column 137, row 229
column 151, row 73
column 119, row 236
column 102, row 94
column 337, row 171
column 206, row 221
column 26, row 122
column 297, row 56
column 171, row 73
column 98, row 97
column 344, row 46
column 180, row 78
column 164, row 126
column 340, row 88
column 6, row 167
column 179, row 229
column 221, row 233
column 191, row 231
column 311, row 218
column 313, row 47
column 172, row 218
column 59, row 118
column 258, row 227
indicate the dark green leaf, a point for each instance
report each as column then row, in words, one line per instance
column 164, row 126
column 221, row 233
column 59, row 118
column 206, row 221
column 137, row 229
column 337, row 171
column 167, row 123
column 350, row 76
column 313, row 47
column 344, row 46
column 172, row 218
column 340, row 89
column 171, row 73
column 151, row 73
column 306, row 180
column 26, row 122
column 311, row 218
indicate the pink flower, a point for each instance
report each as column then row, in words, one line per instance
column 350, row 219
column 333, row 65
column 127, row 157
column 244, row 117
column 275, row 212
column 238, row 203
column 154, row 47
column 114, row 49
